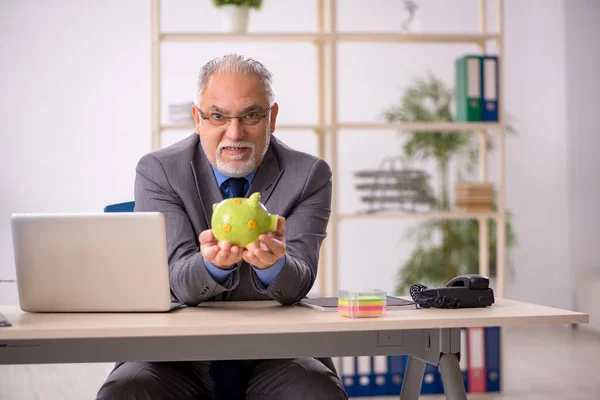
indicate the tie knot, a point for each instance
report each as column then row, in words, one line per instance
column 237, row 186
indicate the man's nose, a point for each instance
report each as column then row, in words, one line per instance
column 235, row 130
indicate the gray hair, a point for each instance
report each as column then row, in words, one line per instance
column 234, row 63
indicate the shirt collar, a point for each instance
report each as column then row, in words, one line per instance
column 222, row 178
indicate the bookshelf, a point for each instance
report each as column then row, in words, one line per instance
column 326, row 39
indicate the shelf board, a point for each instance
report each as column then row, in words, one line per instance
column 241, row 37
column 393, row 37
column 423, row 126
column 417, row 215
column 190, row 127
column 417, row 37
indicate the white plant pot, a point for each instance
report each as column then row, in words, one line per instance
column 234, row 19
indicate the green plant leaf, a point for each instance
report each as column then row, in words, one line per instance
column 256, row 4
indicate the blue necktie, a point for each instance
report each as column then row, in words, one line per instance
column 237, row 186
column 229, row 375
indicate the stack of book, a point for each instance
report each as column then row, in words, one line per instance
column 474, row 197
column 181, row 113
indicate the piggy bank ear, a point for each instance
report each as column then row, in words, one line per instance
column 254, row 198
column 214, row 206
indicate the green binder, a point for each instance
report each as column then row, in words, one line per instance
column 468, row 88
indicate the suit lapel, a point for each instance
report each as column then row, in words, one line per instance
column 267, row 176
column 206, row 185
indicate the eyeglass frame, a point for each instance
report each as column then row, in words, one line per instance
column 228, row 118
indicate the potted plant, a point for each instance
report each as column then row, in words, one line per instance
column 235, row 13
column 447, row 248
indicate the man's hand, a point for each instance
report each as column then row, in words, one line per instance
column 269, row 249
column 221, row 254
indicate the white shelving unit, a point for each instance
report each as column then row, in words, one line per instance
column 326, row 39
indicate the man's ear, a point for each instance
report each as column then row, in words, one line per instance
column 196, row 116
column 273, row 119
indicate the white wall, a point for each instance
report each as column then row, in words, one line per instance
column 76, row 81
column 583, row 86
column 74, row 108
column 583, row 89
column 536, row 168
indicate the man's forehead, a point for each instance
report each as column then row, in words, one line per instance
column 234, row 91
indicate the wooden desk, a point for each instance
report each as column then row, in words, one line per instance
column 264, row 329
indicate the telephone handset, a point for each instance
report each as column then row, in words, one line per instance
column 463, row 291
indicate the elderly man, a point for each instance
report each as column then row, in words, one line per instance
column 232, row 154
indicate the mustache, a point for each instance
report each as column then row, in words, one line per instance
column 229, row 143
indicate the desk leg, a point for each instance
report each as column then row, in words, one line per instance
column 452, row 377
column 413, row 377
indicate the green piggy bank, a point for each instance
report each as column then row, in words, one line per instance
column 241, row 221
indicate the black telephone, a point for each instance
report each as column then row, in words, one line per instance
column 463, row 291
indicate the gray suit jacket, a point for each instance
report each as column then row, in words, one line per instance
column 178, row 181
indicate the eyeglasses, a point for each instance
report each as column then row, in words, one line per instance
column 218, row 119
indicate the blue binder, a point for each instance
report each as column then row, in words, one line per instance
column 492, row 358
column 489, row 88
column 432, row 380
column 395, row 374
column 362, row 378
column 379, row 375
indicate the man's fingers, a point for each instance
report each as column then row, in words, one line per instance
column 280, row 230
column 227, row 255
column 235, row 252
column 210, row 253
column 270, row 243
column 206, row 237
column 225, row 246
column 248, row 256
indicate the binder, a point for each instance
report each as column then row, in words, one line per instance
column 432, row 380
column 489, row 88
column 379, row 376
column 464, row 358
column 492, row 358
column 347, row 374
column 468, row 87
column 362, row 379
column 396, row 369
column 476, row 349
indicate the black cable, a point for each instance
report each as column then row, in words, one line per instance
column 428, row 298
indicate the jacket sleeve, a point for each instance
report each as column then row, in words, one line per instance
column 305, row 230
column 190, row 281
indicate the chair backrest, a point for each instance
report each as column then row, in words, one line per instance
column 120, row 207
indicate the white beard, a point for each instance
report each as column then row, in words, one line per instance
column 243, row 168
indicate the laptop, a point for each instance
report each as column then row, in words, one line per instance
column 101, row 262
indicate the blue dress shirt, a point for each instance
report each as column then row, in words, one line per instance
column 265, row 276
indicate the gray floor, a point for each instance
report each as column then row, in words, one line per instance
column 543, row 362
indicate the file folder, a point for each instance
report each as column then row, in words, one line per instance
column 362, row 379
column 396, row 369
column 492, row 358
column 379, row 377
column 347, row 374
column 463, row 362
column 476, row 349
column 490, row 88
column 468, row 94
column 432, row 380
